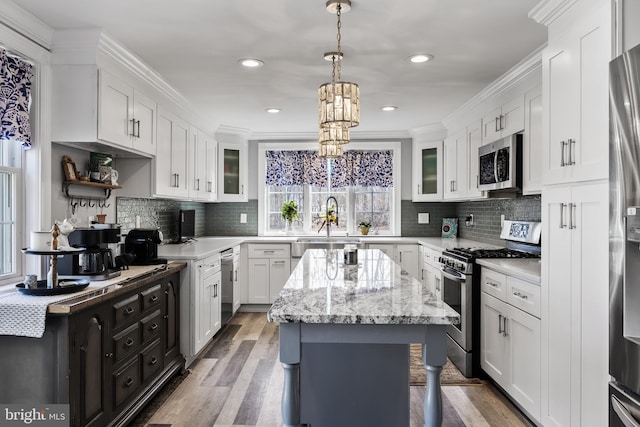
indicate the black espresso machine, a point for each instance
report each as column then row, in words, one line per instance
column 96, row 261
column 143, row 243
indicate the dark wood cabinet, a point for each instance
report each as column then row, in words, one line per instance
column 106, row 359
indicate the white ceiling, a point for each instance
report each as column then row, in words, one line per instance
column 195, row 45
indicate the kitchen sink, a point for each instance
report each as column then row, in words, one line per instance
column 303, row 243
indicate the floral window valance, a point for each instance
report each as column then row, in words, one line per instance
column 15, row 99
column 354, row 168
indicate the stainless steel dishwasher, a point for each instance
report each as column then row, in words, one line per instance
column 226, row 263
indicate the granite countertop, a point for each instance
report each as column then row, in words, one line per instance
column 527, row 269
column 323, row 290
column 201, row 248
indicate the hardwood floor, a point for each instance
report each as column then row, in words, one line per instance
column 238, row 382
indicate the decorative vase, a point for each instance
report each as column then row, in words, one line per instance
column 287, row 228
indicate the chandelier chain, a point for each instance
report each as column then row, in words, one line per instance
column 339, row 37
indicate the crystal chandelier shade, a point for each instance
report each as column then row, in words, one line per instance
column 339, row 135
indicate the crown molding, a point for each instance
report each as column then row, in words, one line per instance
column 437, row 129
column 548, row 11
column 313, row 136
column 22, row 22
column 530, row 64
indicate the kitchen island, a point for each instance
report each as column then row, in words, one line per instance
column 345, row 332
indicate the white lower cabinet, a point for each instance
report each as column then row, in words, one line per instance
column 269, row 268
column 510, row 339
column 431, row 273
column 206, row 301
column 405, row 255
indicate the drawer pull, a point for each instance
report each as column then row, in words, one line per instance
column 153, row 361
column 523, row 296
column 153, row 298
column 128, row 382
column 109, row 355
column 153, row 327
column 495, row 285
column 269, row 252
column 129, row 343
column 129, row 310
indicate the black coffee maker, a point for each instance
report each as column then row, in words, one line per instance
column 96, row 261
column 143, row 243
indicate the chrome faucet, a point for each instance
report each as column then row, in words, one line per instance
column 327, row 215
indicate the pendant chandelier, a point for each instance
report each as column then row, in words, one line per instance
column 338, row 101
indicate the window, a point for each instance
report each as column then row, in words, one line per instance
column 309, row 181
column 10, row 176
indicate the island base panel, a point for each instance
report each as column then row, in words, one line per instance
column 354, row 385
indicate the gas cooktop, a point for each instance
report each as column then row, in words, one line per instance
column 470, row 254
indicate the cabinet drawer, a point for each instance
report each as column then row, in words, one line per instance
column 126, row 382
column 126, row 343
column 126, row 310
column 524, row 295
column 431, row 256
column 151, row 298
column 209, row 265
column 150, row 326
column 494, row 283
column 151, row 360
column 268, row 251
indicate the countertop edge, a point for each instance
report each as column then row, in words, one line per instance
column 515, row 271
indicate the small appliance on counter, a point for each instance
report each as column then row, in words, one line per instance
column 94, row 263
column 143, row 243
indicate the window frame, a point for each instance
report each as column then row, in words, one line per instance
column 394, row 146
column 17, row 190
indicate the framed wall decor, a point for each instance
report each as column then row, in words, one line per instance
column 69, row 167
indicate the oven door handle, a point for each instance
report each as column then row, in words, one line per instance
column 461, row 278
column 622, row 412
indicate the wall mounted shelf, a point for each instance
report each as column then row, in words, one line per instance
column 103, row 190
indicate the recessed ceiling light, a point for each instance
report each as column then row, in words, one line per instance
column 273, row 110
column 251, row 63
column 389, row 108
column 420, row 58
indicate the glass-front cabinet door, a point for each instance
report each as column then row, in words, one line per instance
column 427, row 171
column 233, row 172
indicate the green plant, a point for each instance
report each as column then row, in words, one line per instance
column 289, row 211
column 365, row 224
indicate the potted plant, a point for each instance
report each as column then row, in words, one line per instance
column 289, row 212
column 364, row 227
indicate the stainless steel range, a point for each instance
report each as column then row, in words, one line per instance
column 461, row 288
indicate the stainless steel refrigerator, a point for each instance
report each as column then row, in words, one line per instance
column 624, row 239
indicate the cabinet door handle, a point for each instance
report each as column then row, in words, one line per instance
column 496, row 123
column 418, row 188
column 504, row 328
column 128, row 382
column 196, row 184
column 562, row 224
column 400, row 256
column 572, row 144
column 129, row 310
column 500, row 118
column 153, row 298
column 153, row 361
column 209, row 187
column 133, row 128
column 438, row 284
column 129, row 343
column 422, row 274
column 109, row 355
column 138, row 133
column 178, row 180
column 235, row 276
column 500, row 323
column 572, row 214
column 242, row 189
column 153, row 327
column 562, row 161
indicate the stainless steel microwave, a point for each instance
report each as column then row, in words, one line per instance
column 500, row 164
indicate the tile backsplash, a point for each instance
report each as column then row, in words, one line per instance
column 223, row 219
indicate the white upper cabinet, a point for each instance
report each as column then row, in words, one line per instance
column 532, row 142
column 504, row 120
column 427, row 171
column 202, row 166
column 171, row 160
column 575, row 88
column 474, row 141
column 455, row 166
column 232, row 169
column 125, row 117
